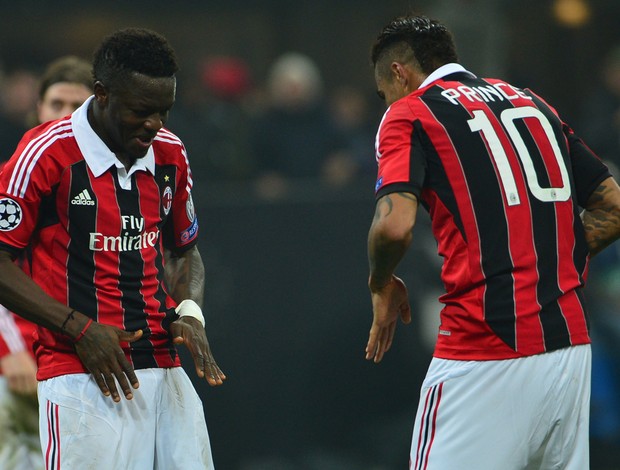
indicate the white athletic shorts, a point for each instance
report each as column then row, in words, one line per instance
column 161, row 428
column 517, row 414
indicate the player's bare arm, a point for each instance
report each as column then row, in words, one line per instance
column 96, row 345
column 601, row 218
column 389, row 237
column 185, row 276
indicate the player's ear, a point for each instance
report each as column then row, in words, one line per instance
column 395, row 72
column 101, row 93
column 399, row 75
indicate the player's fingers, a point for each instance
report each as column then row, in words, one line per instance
column 101, row 383
column 387, row 335
column 108, row 376
column 381, row 345
column 405, row 313
column 213, row 373
column 125, row 376
column 390, row 336
column 129, row 336
column 200, row 364
column 371, row 346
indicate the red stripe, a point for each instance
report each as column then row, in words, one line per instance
column 433, row 426
column 422, row 420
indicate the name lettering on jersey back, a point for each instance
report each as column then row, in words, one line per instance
column 484, row 94
column 127, row 241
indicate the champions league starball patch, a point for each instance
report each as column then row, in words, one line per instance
column 189, row 208
column 10, row 214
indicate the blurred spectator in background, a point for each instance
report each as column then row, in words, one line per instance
column 600, row 121
column 352, row 118
column 64, row 86
column 18, row 97
column 294, row 136
column 604, row 298
column 214, row 114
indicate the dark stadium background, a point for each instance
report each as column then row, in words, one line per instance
column 286, row 300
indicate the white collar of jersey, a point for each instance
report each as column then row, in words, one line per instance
column 443, row 71
column 98, row 156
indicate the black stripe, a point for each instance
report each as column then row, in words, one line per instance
column 434, row 173
column 53, row 436
column 82, row 294
column 165, row 228
column 131, row 268
column 554, row 326
column 48, row 214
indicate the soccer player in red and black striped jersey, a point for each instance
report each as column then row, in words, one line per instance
column 103, row 200
column 518, row 204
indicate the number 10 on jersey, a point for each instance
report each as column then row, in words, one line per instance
column 481, row 123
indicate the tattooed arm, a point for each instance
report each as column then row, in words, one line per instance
column 388, row 240
column 601, row 219
column 390, row 235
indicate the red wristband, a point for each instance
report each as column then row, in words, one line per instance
column 83, row 332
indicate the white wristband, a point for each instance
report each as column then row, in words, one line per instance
column 189, row 308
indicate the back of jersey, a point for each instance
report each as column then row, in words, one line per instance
column 495, row 166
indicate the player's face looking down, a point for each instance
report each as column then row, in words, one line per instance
column 127, row 117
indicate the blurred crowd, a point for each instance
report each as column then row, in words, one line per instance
column 289, row 129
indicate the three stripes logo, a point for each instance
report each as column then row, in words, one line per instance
column 83, row 199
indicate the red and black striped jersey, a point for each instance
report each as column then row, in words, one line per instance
column 503, row 179
column 96, row 233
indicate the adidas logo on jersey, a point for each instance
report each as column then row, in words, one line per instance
column 83, row 199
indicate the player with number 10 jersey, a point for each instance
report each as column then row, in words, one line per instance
column 511, row 288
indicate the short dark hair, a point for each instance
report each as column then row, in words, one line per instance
column 428, row 40
column 133, row 50
column 66, row 69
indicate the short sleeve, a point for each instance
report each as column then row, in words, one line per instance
column 183, row 221
column 588, row 169
column 24, row 181
column 399, row 168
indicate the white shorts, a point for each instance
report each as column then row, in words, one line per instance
column 527, row 413
column 162, row 427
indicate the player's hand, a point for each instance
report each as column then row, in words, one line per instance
column 100, row 352
column 189, row 331
column 388, row 303
column 20, row 372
